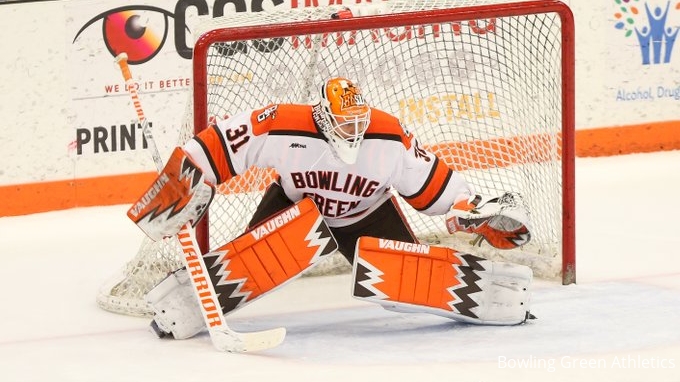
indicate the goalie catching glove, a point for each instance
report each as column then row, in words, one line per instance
column 503, row 221
column 179, row 195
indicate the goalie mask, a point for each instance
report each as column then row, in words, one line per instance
column 343, row 116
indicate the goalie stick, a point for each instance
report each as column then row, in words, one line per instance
column 223, row 337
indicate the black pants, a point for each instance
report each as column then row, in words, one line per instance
column 386, row 222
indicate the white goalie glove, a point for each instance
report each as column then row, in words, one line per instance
column 502, row 221
column 179, row 195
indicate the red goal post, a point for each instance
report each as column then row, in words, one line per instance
column 438, row 16
column 488, row 85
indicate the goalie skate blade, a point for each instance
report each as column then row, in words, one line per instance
column 158, row 332
column 235, row 342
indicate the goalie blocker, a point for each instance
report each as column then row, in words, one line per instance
column 179, row 195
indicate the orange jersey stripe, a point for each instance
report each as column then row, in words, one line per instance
column 433, row 187
column 386, row 126
column 284, row 117
column 215, row 150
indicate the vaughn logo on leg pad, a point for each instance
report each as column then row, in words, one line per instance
column 274, row 223
column 404, row 246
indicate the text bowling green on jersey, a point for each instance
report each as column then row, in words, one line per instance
column 330, row 180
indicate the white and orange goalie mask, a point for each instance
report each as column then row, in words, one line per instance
column 343, row 116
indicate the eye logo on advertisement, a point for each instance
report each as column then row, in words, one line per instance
column 140, row 31
column 648, row 22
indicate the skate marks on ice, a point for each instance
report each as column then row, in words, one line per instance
column 572, row 320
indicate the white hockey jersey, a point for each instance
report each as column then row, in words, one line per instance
column 285, row 137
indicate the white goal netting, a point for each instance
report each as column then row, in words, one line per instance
column 481, row 87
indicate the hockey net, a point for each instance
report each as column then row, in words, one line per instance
column 487, row 85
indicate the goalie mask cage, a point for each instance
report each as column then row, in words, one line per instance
column 487, row 85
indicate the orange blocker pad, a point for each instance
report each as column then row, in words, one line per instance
column 269, row 255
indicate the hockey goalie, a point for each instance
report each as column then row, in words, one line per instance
column 341, row 164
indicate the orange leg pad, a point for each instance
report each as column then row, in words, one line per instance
column 409, row 277
column 269, row 255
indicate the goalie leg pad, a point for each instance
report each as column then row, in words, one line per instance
column 175, row 307
column 408, row 277
column 270, row 254
column 257, row 262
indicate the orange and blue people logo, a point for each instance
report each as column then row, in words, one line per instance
column 647, row 21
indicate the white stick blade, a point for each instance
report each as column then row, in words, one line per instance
column 234, row 342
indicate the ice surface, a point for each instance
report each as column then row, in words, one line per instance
column 619, row 323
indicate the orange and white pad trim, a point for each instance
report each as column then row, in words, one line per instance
column 269, row 255
column 408, row 277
